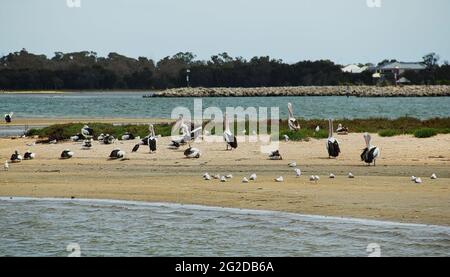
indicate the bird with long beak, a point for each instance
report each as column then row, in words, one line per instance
column 292, row 122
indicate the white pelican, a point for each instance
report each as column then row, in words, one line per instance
column 370, row 153
column 253, row 177
column 87, row 132
column 8, row 117
column 127, row 136
column 279, row 179
column 228, row 136
column 185, row 134
column 101, row 137
column 6, row 166
column 149, row 140
column 66, row 154
column 292, row 122
column 192, row 152
column 275, row 155
column 433, row 176
column 332, row 143
column 341, row 130
column 108, row 139
column 29, row 155
column 117, row 154
column 16, row 157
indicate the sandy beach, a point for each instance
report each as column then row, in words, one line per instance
column 383, row 192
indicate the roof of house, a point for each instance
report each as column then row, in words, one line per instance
column 353, row 68
column 403, row 66
column 403, row 80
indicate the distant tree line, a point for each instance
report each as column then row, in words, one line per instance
column 85, row 70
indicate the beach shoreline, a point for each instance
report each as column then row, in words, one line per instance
column 384, row 192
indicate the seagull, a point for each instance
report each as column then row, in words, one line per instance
column 253, row 177
column 117, row 154
column 413, row 178
column 314, row 178
column 29, row 155
column 16, row 157
column 350, row 175
column 279, row 179
column 244, row 180
column 292, row 164
column 228, row 136
column 332, row 176
column 275, row 155
column 6, row 166
column 8, row 117
column 53, row 141
column 418, row 180
column 206, row 176
column 433, row 176
column 66, row 154
column 223, row 179
column 192, row 152
column 292, row 122
column 127, row 136
column 317, row 129
column 298, row 172
column 229, row 176
column 332, row 143
column 286, row 138
column 370, row 153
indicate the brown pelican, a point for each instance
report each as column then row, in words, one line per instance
column 332, row 143
column 292, row 122
column 370, row 153
column 228, row 136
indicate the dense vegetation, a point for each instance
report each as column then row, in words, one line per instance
column 85, row 70
column 385, row 127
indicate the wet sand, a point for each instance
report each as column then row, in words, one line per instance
column 383, row 192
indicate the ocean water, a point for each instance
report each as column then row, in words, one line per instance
column 45, row 227
column 132, row 105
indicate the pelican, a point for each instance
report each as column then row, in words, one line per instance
column 275, row 155
column 116, row 154
column 279, row 179
column 292, row 122
column 341, row 130
column 127, row 136
column 149, row 140
column 87, row 132
column 253, row 177
column 332, row 143
column 185, row 134
column 223, row 179
column 87, row 144
column 8, row 117
column 66, row 154
column 108, row 139
column 6, row 166
column 196, row 133
column 228, row 136
column 192, row 152
column 101, row 137
column 29, row 155
column 76, row 138
column 16, row 157
column 370, row 153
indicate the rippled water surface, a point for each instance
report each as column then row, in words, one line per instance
column 131, row 104
column 44, row 227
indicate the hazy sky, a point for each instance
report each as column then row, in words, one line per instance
column 344, row 31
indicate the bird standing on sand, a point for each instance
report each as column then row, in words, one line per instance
column 87, row 132
column 244, row 180
column 332, row 143
column 185, row 137
column 149, row 140
column 341, row 130
column 6, row 166
column 350, row 175
column 433, row 176
column 332, row 176
column 298, row 172
column 292, row 122
column 228, row 136
column 66, row 154
column 286, row 138
column 117, row 154
column 8, row 117
column 253, row 177
column 370, row 153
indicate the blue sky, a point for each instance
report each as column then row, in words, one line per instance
column 344, row 31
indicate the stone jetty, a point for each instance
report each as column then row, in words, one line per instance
column 359, row 91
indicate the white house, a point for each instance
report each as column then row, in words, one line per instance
column 353, row 68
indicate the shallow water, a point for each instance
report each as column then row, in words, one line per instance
column 44, row 227
column 131, row 104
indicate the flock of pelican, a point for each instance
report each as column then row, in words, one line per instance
column 186, row 136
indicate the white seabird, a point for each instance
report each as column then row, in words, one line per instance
column 8, row 117
column 298, row 172
column 292, row 164
column 279, row 179
column 332, row 143
column 350, row 175
column 370, row 153
column 29, row 155
column 433, row 176
column 6, row 166
column 185, row 136
column 66, row 154
column 192, row 152
column 292, row 122
column 228, row 136
column 87, row 132
column 332, row 176
column 253, row 177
